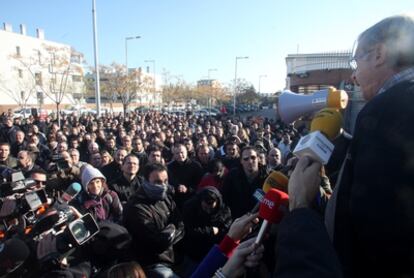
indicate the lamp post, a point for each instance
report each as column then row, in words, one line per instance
column 260, row 78
column 211, row 87
column 235, row 83
column 126, row 57
column 153, row 70
column 95, row 51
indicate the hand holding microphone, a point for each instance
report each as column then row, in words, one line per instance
column 304, row 183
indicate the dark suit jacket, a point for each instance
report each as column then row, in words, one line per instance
column 374, row 220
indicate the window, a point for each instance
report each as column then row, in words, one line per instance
column 76, row 78
column 38, row 78
column 20, row 73
column 39, row 56
column 22, row 94
column 18, row 51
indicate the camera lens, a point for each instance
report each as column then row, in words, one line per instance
column 79, row 231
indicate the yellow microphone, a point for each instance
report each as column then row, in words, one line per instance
column 276, row 180
column 325, row 127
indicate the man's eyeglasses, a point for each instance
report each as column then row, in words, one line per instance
column 249, row 157
column 353, row 63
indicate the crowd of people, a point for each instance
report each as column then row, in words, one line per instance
column 173, row 195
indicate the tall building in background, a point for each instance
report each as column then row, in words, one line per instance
column 307, row 73
column 35, row 72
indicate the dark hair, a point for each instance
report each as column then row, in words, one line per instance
column 154, row 167
column 248, row 148
column 128, row 156
column 215, row 165
column 5, row 144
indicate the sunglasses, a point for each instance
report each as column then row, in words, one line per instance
column 249, row 157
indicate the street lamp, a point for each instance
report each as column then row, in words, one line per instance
column 235, row 83
column 211, row 87
column 126, row 49
column 95, row 52
column 126, row 57
column 260, row 78
column 153, row 69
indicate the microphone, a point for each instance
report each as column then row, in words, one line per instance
column 325, row 126
column 270, row 210
column 13, row 253
column 70, row 193
column 276, row 180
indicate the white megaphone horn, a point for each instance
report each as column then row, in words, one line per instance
column 291, row 105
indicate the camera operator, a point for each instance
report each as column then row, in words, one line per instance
column 63, row 174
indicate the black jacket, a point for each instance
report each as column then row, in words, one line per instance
column 238, row 192
column 155, row 227
column 111, row 171
column 374, row 224
column 188, row 173
column 124, row 188
column 199, row 236
column 303, row 248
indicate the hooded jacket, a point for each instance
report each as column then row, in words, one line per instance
column 199, row 224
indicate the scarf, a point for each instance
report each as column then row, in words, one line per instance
column 155, row 191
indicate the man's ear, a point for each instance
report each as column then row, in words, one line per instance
column 380, row 53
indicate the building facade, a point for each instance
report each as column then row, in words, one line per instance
column 35, row 72
column 307, row 73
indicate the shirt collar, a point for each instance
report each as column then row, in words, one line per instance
column 407, row 74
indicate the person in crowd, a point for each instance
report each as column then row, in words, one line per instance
column 285, row 146
column 106, row 158
column 204, row 156
column 139, row 150
column 155, row 155
column 241, row 183
column 274, row 160
column 25, row 163
column 5, row 158
column 127, row 143
column 74, row 154
column 152, row 218
column 114, row 169
column 97, row 199
column 184, row 174
column 232, row 157
column 215, row 175
column 129, row 182
column 19, row 144
column 110, row 145
column 369, row 216
column 206, row 221
column 95, row 160
column 8, row 131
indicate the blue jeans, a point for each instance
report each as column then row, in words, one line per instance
column 160, row 271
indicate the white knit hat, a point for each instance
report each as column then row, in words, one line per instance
column 89, row 173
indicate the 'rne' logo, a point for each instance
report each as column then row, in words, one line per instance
column 269, row 203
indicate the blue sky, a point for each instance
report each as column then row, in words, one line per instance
column 188, row 37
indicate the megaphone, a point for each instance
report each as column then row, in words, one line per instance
column 291, row 105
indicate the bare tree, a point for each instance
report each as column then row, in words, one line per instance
column 125, row 85
column 23, row 90
column 51, row 74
